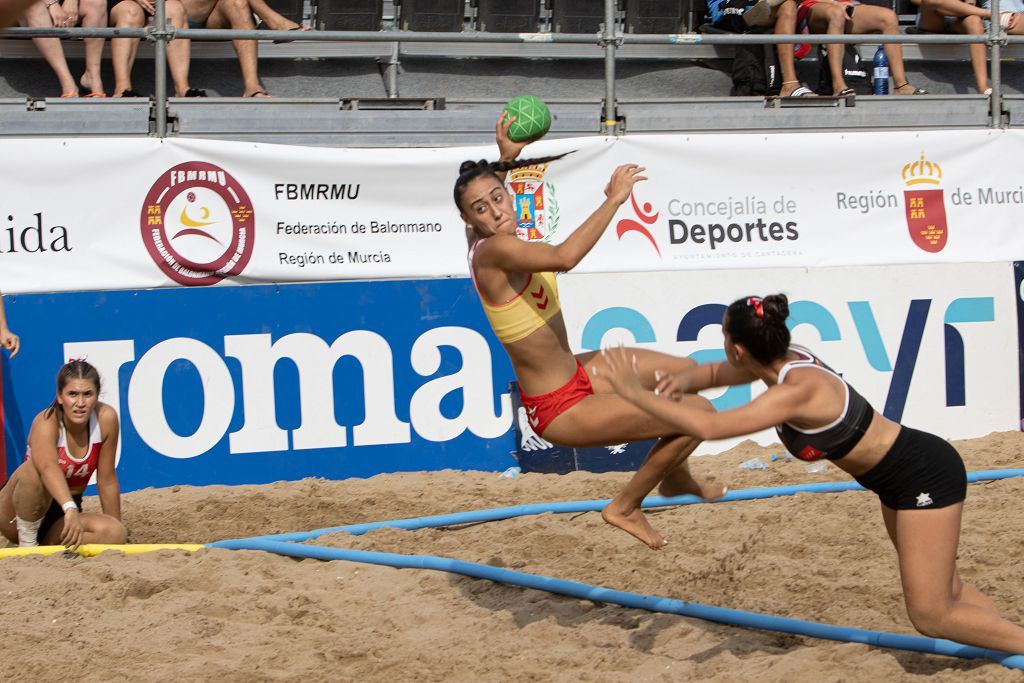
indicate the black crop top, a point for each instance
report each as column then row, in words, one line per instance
column 834, row 440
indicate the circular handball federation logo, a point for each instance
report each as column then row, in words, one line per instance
column 198, row 224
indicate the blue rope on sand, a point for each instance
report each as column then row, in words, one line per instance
column 287, row 544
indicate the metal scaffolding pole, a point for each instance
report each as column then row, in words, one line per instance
column 609, row 38
column 161, row 36
column 995, row 35
column 609, row 124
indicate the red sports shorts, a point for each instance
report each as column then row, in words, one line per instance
column 543, row 409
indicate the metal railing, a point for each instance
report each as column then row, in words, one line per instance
column 608, row 38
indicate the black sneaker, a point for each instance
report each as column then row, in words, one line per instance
column 195, row 92
column 131, row 93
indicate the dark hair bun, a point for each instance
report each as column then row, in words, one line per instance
column 776, row 306
column 468, row 166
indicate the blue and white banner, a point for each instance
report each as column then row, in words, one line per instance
column 256, row 384
column 935, row 347
column 240, row 385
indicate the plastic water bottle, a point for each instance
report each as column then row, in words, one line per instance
column 510, row 473
column 880, row 72
column 754, row 464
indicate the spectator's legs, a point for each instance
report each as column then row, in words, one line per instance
column 94, row 15
column 933, row 13
column 125, row 14
column 237, row 14
column 830, row 18
column 272, row 18
column 973, row 25
column 179, row 50
column 36, row 16
column 785, row 23
column 874, row 19
column 1016, row 27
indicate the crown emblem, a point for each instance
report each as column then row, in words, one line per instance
column 535, row 172
column 922, row 172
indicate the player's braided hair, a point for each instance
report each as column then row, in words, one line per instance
column 471, row 170
column 760, row 325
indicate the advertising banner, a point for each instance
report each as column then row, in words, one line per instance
column 187, row 213
column 246, row 385
column 935, row 347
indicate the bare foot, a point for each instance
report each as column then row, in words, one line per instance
column 679, row 482
column 636, row 525
column 257, row 93
column 95, row 87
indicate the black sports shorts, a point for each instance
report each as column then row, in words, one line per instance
column 54, row 513
column 920, row 471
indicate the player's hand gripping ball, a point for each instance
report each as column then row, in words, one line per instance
column 533, row 118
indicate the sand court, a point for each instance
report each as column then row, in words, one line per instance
column 247, row 615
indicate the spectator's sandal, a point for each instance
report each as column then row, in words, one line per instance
column 130, row 92
column 846, row 92
column 917, row 91
column 195, row 92
column 97, row 94
column 257, row 93
column 289, row 40
column 802, row 91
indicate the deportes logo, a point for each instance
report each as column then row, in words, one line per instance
column 926, row 209
column 646, row 216
column 535, row 203
column 198, row 224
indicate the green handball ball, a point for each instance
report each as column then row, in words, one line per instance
column 533, row 118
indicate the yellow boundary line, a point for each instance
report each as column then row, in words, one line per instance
column 93, row 549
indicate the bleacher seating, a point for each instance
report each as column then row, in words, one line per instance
column 658, row 16
column 328, row 115
column 349, row 15
column 431, row 15
column 576, row 16
column 508, row 16
column 289, row 9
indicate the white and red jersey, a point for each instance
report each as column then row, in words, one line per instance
column 78, row 471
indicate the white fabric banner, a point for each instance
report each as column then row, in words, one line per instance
column 94, row 214
column 934, row 346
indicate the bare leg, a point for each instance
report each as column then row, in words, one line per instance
column 650, row 365
column 624, row 510
column 50, row 48
column 23, row 496
column 29, row 495
column 948, row 8
column 179, row 50
column 959, row 589
column 973, row 25
column 926, row 542
column 237, row 14
column 679, row 481
column 94, row 15
column 1016, row 27
column 785, row 23
column 873, row 19
column 831, row 19
column 125, row 14
column 97, row 528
